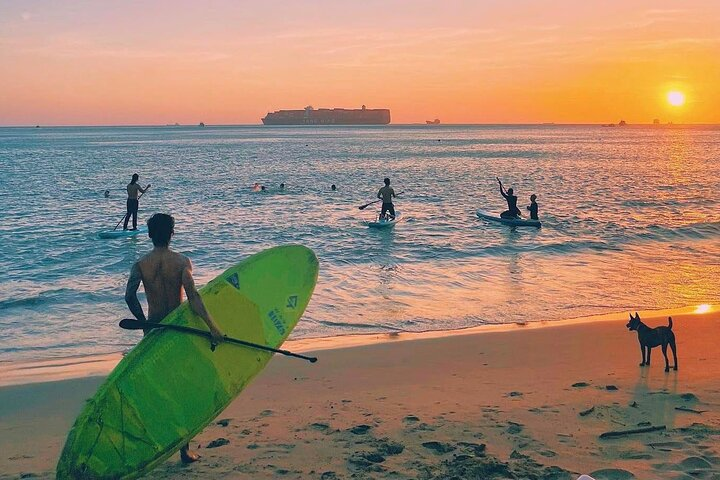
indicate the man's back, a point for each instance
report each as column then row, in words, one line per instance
column 386, row 193
column 133, row 189
column 162, row 276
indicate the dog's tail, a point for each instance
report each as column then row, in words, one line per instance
column 670, row 323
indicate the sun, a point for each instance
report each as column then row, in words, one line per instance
column 675, row 98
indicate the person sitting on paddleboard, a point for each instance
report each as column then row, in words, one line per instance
column 386, row 193
column 533, row 207
column 132, row 201
column 513, row 211
column 164, row 274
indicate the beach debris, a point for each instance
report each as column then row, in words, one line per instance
column 666, row 446
column 611, row 388
column 223, row 422
column 329, row 475
column 515, row 394
column 477, row 449
column 689, row 397
column 219, row 442
column 634, row 404
column 580, row 385
column 622, row 433
column 514, row 428
column 360, row 429
column 439, row 448
column 686, row 409
column 587, row 412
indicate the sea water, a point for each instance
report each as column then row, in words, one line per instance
column 630, row 221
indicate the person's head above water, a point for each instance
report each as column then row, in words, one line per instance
column 533, row 197
column 387, row 181
column 135, row 178
column 333, row 187
column 107, row 193
column 161, row 228
column 282, row 185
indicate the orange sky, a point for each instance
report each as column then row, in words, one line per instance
column 229, row 62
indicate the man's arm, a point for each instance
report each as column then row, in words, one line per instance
column 379, row 195
column 197, row 305
column 143, row 190
column 131, row 293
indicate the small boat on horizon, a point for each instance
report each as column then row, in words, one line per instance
column 433, row 122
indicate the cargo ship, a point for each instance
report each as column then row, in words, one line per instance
column 329, row 116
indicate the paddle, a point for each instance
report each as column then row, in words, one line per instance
column 363, row 207
column 132, row 324
column 124, row 216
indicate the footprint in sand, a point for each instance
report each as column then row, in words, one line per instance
column 438, row 447
column 612, row 474
column 360, row 429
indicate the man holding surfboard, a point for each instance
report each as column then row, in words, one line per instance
column 164, row 274
column 132, row 201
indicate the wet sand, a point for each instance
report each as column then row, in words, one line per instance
column 523, row 403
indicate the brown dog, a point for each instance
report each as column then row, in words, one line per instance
column 652, row 337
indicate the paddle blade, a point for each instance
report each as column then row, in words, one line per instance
column 132, row 324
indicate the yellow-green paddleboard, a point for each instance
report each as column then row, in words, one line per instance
column 171, row 385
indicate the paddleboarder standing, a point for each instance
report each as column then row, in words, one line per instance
column 386, row 194
column 164, row 275
column 133, row 189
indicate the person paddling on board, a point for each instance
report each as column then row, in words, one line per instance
column 132, row 201
column 386, row 193
column 533, row 207
column 164, row 275
column 513, row 211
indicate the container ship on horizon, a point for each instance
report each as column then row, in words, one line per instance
column 329, row 116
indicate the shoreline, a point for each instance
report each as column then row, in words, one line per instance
column 92, row 365
column 518, row 403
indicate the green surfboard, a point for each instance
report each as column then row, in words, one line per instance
column 171, row 385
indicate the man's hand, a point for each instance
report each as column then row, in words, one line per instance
column 498, row 179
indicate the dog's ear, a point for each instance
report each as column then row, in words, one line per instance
column 637, row 315
column 631, row 317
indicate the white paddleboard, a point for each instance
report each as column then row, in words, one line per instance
column 385, row 223
column 119, row 233
column 517, row 222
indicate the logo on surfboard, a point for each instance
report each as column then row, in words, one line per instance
column 292, row 301
column 234, row 280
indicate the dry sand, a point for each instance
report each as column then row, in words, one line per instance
column 526, row 403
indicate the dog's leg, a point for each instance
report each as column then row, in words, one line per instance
column 674, row 351
column 664, row 350
column 642, row 352
column 649, row 350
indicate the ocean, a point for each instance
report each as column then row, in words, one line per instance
column 630, row 223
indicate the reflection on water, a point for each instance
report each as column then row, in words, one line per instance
column 628, row 218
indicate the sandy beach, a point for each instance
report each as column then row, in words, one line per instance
column 523, row 403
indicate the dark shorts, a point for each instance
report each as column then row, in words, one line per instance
column 387, row 207
column 132, row 205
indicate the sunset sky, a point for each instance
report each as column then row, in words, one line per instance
column 230, row 61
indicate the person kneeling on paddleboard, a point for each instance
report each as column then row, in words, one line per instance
column 132, row 201
column 164, row 274
column 513, row 211
column 386, row 193
column 533, row 207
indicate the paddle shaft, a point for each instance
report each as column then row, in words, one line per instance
column 363, row 207
column 131, row 324
column 126, row 214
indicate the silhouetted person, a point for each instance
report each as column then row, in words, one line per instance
column 512, row 211
column 533, row 207
column 333, row 187
column 132, row 201
column 107, row 193
column 386, row 193
column 282, row 186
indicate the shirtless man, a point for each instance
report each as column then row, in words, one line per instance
column 387, row 193
column 165, row 274
column 513, row 211
column 132, row 201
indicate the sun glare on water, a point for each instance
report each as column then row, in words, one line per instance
column 704, row 308
column 676, row 98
